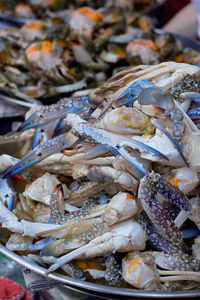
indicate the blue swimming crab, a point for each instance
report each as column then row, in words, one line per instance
column 102, row 138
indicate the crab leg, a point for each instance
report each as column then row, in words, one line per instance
column 123, row 237
column 179, row 275
column 47, row 114
column 176, row 261
column 58, row 143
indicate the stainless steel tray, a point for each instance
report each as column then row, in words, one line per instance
column 97, row 289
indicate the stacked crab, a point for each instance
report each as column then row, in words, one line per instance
column 57, row 51
column 112, row 182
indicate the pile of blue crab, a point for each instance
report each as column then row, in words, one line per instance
column 105, row 187
column 53, row 48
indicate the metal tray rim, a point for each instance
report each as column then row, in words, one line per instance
column 94, row 286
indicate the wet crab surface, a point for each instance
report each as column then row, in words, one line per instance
column 105, row 187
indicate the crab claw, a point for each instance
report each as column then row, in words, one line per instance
column 194, row 113
column 161, row 128
column 133, row 91
column 80, row 128
column 134, row 144
column 192, row 96
column 155, row 95
column 55, row 111
column 42, row 151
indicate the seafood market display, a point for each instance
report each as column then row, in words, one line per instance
column 54, row 48
column 104, row 186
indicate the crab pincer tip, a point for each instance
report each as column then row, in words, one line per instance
column 27, row 124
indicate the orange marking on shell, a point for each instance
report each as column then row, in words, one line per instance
column 133, row 264
column 32, row 25
column 129, row 196
column 181, row 58
column 23, row 8
column 149, row 44
column 46, row 46
column 174, row 181
column 84, row 265
column 31, row 51
column 32, row 92
column 74, row 44
column 90, row 13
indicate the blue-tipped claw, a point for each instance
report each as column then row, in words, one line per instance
column 132, row 92
column 10, row 202
column 60, row 126
column 160, row 127
column 190, row 233
column 129, row 158
column 154, row 95
column 41, row 244
column 36, row 139
column 132, row 143
column 29, row 123
column 39, row 134
column 100, row 150
column 42, row 151
column 192, row 96
column 25, row 163
column 194, row 113
column 55, row 111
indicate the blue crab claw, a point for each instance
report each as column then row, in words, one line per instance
column 133, row 91
column 113, row 141
column 192, row 96
column 136, row 144
column 194, row 113
column 154, row 95
column 39, row 134
column 7, row 193
column 167, row 133
column 42, row 151
column 41, row 244
column 191, row 233
column 47, row 114
column 100, row 150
